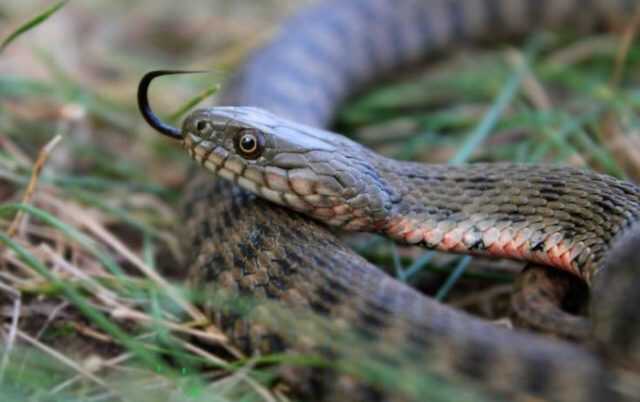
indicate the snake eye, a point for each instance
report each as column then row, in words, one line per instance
column 249, row 143
column 203, row 127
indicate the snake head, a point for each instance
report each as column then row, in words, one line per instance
column 313, row 171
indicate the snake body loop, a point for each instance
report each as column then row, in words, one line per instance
column 270, row 141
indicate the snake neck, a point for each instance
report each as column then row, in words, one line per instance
column 554, row 215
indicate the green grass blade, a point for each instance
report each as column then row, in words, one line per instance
column 72, row 294
column 506, row 96
column 482, row 131
column 69, row 231
column 453, row 278
column 212, row 89
column 417, row 265
column 559, row 138
column 32, row 23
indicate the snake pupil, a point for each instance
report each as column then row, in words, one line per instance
column 248, row 143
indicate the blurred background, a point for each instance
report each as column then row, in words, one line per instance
column 88, row 193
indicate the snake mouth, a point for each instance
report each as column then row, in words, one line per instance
column 291, row 189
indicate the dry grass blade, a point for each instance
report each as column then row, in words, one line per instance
column 102, row 364
column 82, row 219
column 43, row 155
column 103, row 294
column 126, row 313
column 583, row 50
column 16, row 153
column 64, row 359
column 13, row 328
column 622, row 146
column 260, row 390
column 240, row 376
column 500, row 105
column 630, row 32
column 531, row 85
column 53, row 315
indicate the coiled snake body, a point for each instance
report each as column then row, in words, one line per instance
column 271, row 143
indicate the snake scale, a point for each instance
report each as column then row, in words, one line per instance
column 270, row 140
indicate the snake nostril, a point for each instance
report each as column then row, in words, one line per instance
column 201, row 125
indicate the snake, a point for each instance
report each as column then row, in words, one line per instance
column 266, row 225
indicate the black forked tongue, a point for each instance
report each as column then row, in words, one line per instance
column 143, row 102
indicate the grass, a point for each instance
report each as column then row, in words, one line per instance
column 32, row 23
column 94, row 309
